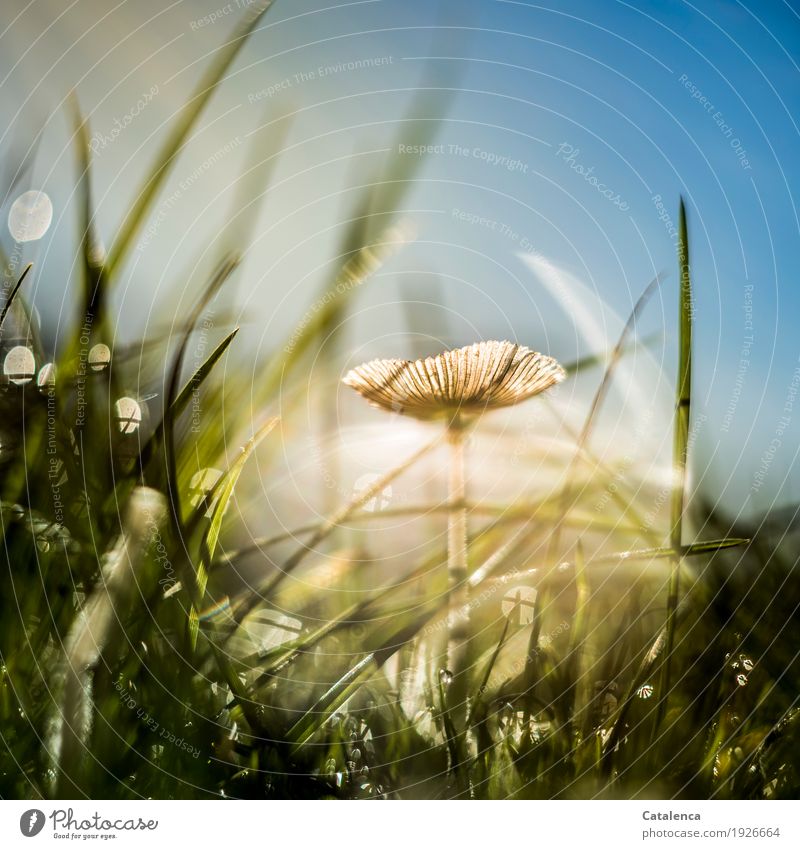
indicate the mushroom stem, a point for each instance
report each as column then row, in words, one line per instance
column 458, row 584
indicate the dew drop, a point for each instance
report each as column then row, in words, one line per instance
column 46, row 376
column 129, row 415
column 99, row 357
column 19, row 365
column 518, row 605
column 741, row 680
column 379, row 501
column 202, row 483
column 445, row 676
column 30, row 216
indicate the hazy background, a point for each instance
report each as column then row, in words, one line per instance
column 658, row 98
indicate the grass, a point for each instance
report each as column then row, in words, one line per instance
column 137, row 663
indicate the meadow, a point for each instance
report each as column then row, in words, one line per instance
column 150, row 649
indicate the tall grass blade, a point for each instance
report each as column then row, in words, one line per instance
column 577, row 640
column 225, row 269
column 185, row 395
column 455, row 740
column 288, row 653
column 222, row 499
column 591, row 361
column 304, row 728
column 646, row 667
column 202, row 373
column 93, row 631
column 10, row 300
column 477, row 702
column 680, row 450
column 93, row 273
column 251, row 188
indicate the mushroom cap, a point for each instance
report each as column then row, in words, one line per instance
column 471, row 380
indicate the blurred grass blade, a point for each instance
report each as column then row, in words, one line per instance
column 185, row 396
column 477, row 701
column 355, row 272
column 94, row 629
column 13, row 295
column 680, row 450
column 199, row 377
column 187, row 116
column 597, row 402
column 532, row 658
column 577, row 639
column 223, row 272
column 286, row 654
column 221, row 501
column 302, row 731
column 305, row 727
column 505, row 515
column 92, row 252
column 602, row 359
column 419, row 126
column 646, row 667
column 455, row 741
column 365, row 249
column 329, row 525
column 251, row 188
column 706, row 547
column 231, row 478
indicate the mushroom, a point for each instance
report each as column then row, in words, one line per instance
column 457, row 387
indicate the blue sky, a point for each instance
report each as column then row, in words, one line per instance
column 566, row 123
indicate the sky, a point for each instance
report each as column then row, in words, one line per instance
column 544, row 203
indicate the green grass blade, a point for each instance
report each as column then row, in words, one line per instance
column 222, row 499
column 286, row 654
column 231, row 478
column 185, row 395
column 680, row 450
column 199, row 377
column 336, row 695
column 646, row 667
column 577, row 640
column 455, row 741
column 520, row 513
column 479, row 693
column 225, row 269
column 251, row 187
column 593, row 360
column 93, row 273
column 706, row 547
column 13, row 295
column 308, row 724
